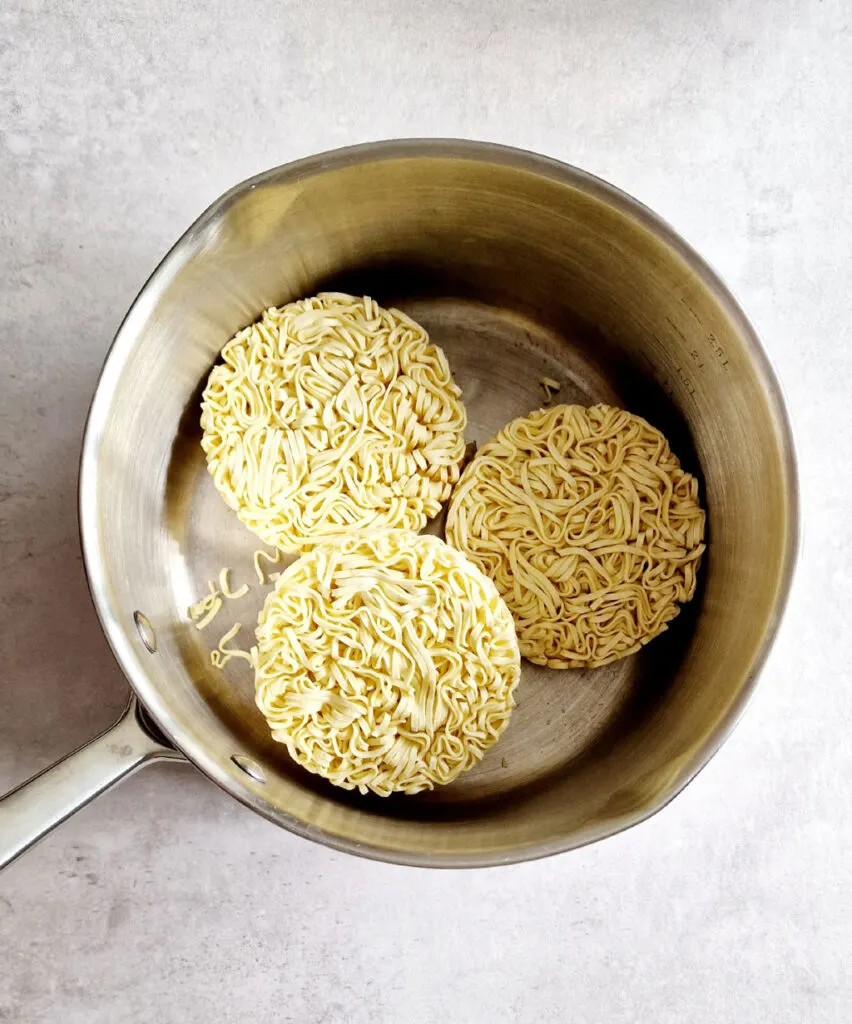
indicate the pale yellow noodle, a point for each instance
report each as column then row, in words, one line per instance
column 589, row 528
column 222, row 655
column 274, row 558
column 206, row 609
column 550, row 387
column 331, row 414
column 386, row 661
column 225, row 589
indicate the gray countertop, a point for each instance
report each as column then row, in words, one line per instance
column 166, row 900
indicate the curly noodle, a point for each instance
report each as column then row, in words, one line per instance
column 386, row 662
column 589, row 528
column 332, row 414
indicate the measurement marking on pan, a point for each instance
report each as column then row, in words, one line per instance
column 658, row 377
column 716, row 349
column 685, row 379
column 676, row 329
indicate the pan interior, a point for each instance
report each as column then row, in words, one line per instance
column 519, row 269
column 499, row 359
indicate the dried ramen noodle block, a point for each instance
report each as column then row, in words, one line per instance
column 386, row 661
column 589, row 528
column 332, row 414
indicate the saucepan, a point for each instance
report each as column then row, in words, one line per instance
column 521, row 268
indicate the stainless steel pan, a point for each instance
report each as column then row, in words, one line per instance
column 520, row 268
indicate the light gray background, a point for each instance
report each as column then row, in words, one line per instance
column 166, row 901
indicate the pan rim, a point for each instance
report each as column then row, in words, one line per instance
column 425, row 148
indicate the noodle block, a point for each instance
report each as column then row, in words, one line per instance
column 386, row 662
column 332, row 414
column 591, row 531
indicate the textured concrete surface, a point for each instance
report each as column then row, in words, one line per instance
column 167, row 901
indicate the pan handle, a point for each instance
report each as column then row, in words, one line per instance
column 37, row 806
